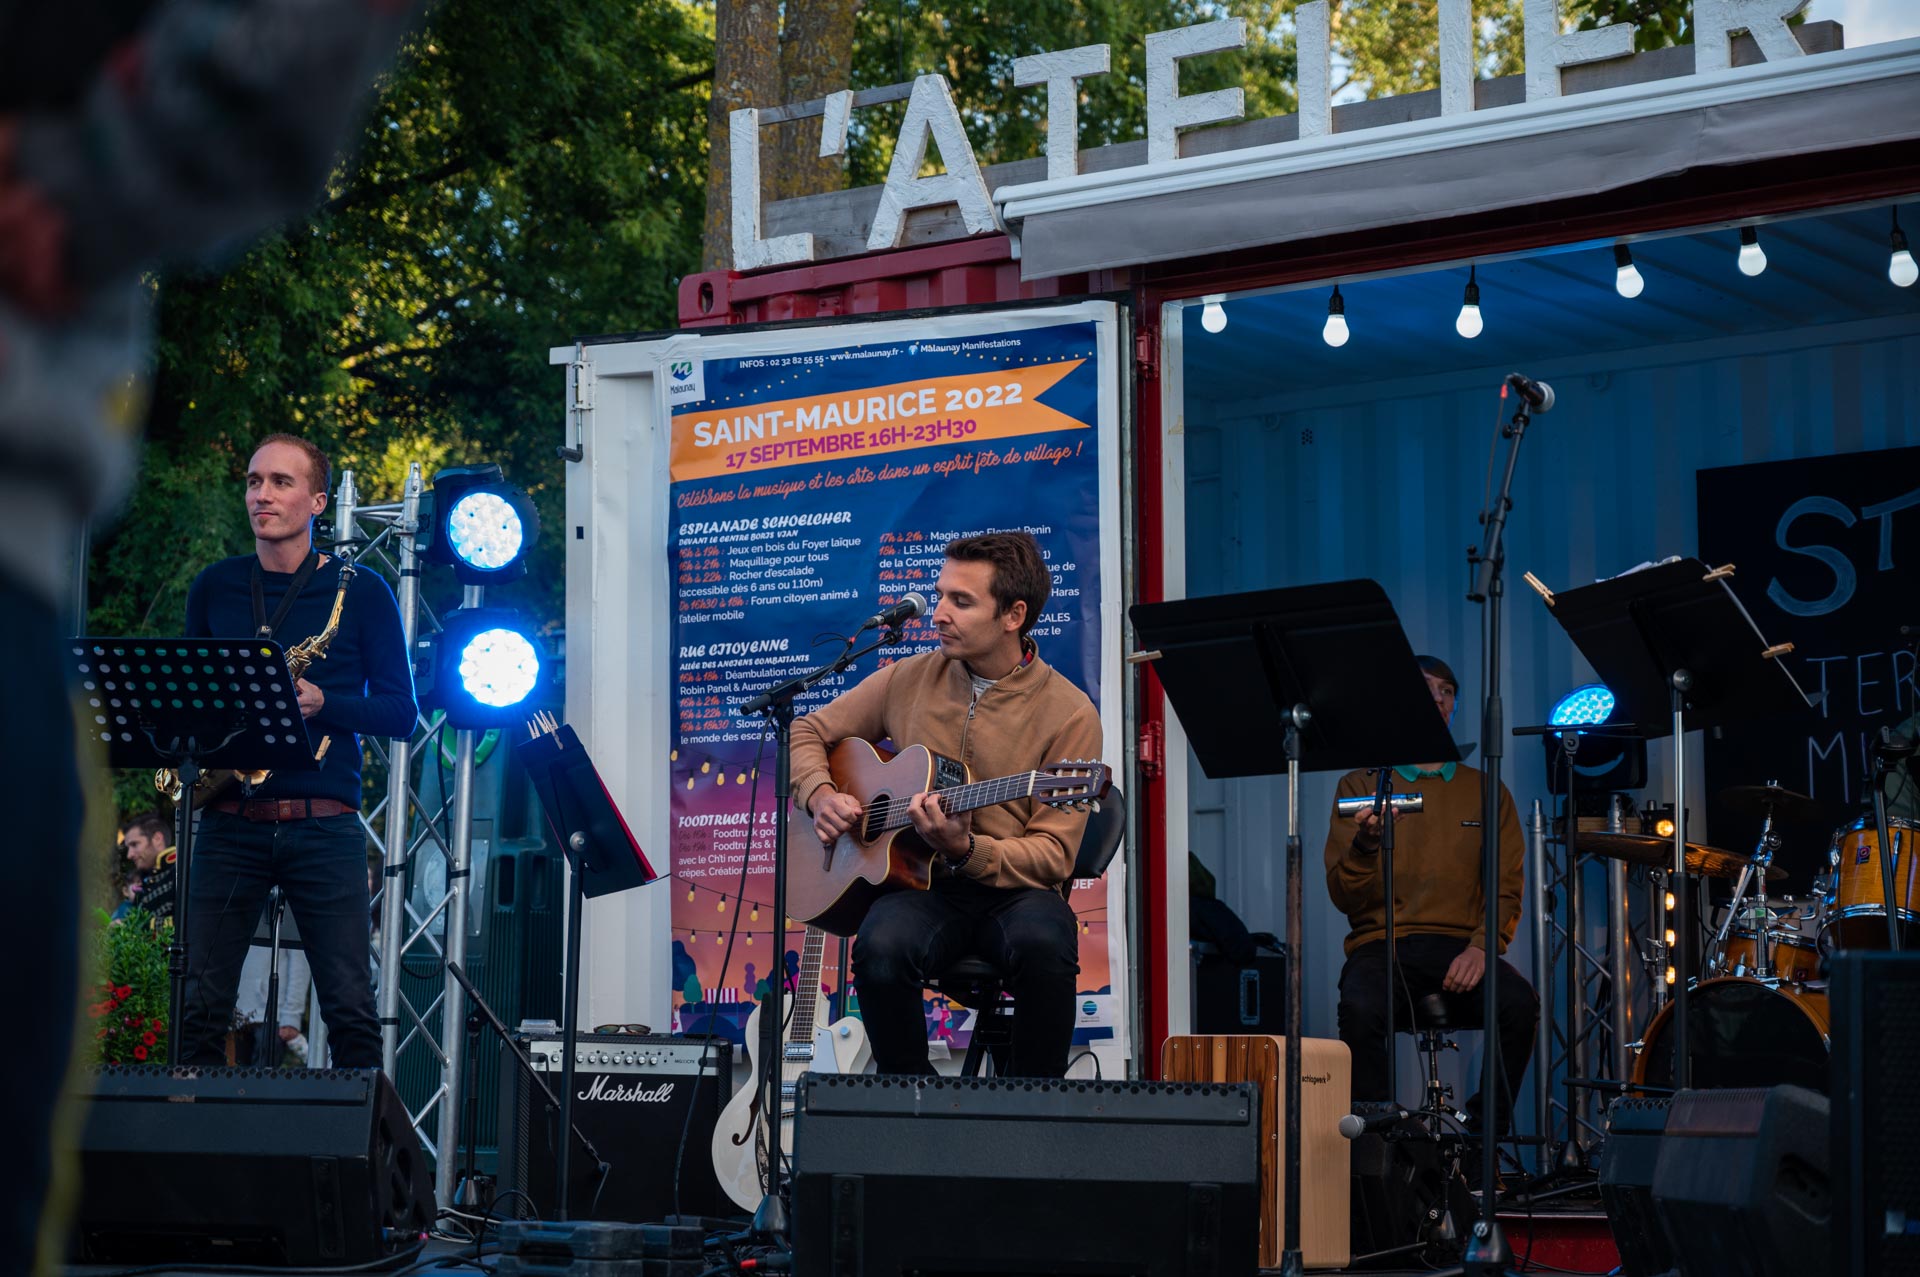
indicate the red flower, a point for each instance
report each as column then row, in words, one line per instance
column 132, row 1022
column 139, row 1052
column 123, row 992
column 96, row 1010
column 148, row 1038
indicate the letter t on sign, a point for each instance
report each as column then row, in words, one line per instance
column 1062, row 72
column 1167, row 111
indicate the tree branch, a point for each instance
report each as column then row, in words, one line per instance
column 379, row 191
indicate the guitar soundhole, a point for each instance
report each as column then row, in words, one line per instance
column 876, row 820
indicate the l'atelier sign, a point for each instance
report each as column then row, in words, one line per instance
column 931, row 115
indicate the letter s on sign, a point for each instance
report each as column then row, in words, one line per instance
column 1836, row 561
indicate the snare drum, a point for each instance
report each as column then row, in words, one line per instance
column 1857, row 910
column 1743, row 1033
column 1793, row 926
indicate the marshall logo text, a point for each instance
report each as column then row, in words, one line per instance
column 604, row 1088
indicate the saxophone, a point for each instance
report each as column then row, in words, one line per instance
column 216, row 781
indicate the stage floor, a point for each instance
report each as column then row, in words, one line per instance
column 1563, row 1236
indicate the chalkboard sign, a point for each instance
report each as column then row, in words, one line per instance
column 1827, row 552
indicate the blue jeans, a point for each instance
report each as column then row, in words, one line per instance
column 321, row 866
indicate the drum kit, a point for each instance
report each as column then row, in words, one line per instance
column 1758, row 1010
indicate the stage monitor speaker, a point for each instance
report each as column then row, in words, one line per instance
column 1741, row 1185
column 631, row 1096
column 1635, row 1125
column 315, row 1168
column 1024, row 1176
column 1876, row 1123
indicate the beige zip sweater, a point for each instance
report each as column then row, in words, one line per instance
column 1436, row 864
column 1031, row 718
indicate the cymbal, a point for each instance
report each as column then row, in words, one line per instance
column 1644, row 849
column 1755, row 801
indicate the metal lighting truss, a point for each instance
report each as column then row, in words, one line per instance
column 1591, row 1035
column 383, row 537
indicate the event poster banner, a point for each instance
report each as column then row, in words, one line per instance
column 1826, row 551
column 808, row 490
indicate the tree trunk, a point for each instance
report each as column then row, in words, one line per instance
column 746, row 73
column 816, row 58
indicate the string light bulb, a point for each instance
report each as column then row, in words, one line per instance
column 1335, row 332
column 1671, row 974
column 1670, row 939
column 1901, row 268
column 1469, row 324
column 755, row 915
column 1753, row 258
column 689, row 893
column 1671, row 902
column 1627, row 280
column 722, row 906
column 1213, row 316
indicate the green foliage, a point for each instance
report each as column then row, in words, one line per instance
column 1660, row 22
column 531, row 172
column 129, row 1013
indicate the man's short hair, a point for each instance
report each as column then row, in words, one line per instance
column 319, row 467
column 1019, row 571
column 1439, row 669
column 152, row 825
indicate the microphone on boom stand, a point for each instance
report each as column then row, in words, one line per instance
column 899, row 614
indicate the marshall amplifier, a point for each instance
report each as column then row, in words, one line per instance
column 631, row 1096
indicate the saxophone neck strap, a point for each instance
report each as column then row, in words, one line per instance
column 264, row 626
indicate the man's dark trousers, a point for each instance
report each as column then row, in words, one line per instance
column 320, row 864
column 1424, row 960
column 909, row 937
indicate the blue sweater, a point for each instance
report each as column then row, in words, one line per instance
column 367, row 677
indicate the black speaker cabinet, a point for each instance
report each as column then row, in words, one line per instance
column 1635, row 1125
column 316, row 1168
column 1742, row 1184
column 1876, row 1123
column 1024, row 1176
column 631, row 1097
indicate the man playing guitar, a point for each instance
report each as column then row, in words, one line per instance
column 1001, row 874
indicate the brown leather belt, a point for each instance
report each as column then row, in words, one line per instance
column 283, row 808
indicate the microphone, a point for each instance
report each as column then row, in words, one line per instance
column 1353, row 1126
column 899, row 614
column 1538, row 394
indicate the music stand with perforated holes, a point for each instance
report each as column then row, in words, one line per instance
column 190, row 704
column 1331, row 668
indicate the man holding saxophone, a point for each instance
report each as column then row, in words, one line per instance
column 299, row 830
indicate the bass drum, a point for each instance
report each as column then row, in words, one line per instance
column 1742, row 1032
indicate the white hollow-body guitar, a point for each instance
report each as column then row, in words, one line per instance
column 810, row 1044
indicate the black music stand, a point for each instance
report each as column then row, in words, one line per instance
column 1331, row 666
column 604, row 857
column 190, row 704
column 1673, row 644
column 276, row 933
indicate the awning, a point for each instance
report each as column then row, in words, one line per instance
column 1531, row 153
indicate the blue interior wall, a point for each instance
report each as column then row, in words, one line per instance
column 1375, row 477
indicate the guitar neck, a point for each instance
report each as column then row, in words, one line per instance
column 981, row 793
column 807, row 989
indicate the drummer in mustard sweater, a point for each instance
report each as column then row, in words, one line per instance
column 1439, row 914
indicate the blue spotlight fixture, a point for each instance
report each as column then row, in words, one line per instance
column 479, row 524
column 1586, row 705
column 483, row 668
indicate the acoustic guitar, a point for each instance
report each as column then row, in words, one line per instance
column 833, row 887
column 740, row 1136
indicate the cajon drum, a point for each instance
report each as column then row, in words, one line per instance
column 1326, row 1096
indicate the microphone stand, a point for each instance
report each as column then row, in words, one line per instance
column 1488, row 1252
column 1886, row 753
column 776, row 706
column 1383, row 808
